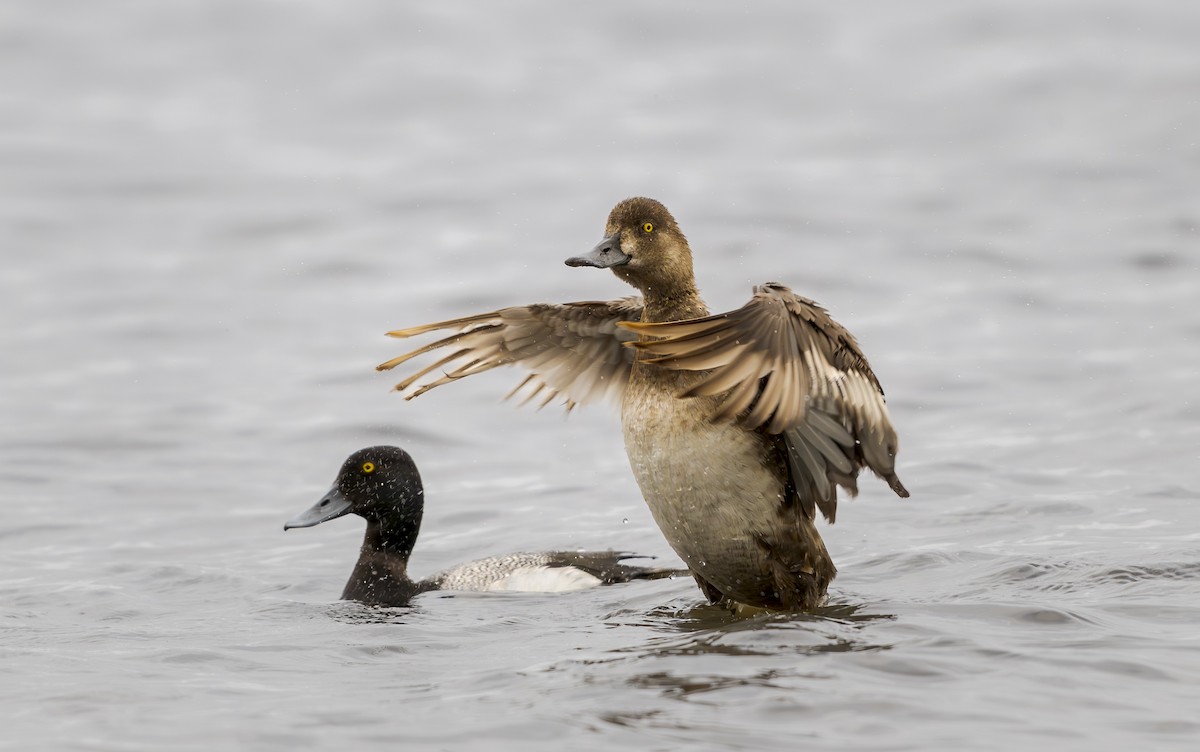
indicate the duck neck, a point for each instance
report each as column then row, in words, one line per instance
column 668, row 285
column 394, row 538
column 672, row 302
column 381, row 574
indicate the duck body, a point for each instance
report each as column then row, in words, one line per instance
column 717, row 492
column 381, row 484
column 739, row 427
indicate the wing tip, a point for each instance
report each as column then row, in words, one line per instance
column 388, row 365
column 405, row 333
column 399, row 389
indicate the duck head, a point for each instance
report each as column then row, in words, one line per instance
column 644, row 246
column 380, row 484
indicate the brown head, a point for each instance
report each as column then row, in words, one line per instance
column 644, row 246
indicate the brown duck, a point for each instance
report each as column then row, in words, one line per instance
column 739, row 427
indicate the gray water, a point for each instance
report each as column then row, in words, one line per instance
column 211, row 211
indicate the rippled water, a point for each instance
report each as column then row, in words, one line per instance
column 212, row 210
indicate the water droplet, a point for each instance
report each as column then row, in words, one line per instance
column 624, row 520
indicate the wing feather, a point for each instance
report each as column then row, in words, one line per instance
column 572, row 350
column 781, row 365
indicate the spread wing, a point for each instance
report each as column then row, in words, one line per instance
column 573, row 349
column 781, row 364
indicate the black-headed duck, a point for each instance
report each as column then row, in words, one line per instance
column 381, row 484
column 739, row 426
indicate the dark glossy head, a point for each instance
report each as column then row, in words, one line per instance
column 379, row 483
column 644, row 246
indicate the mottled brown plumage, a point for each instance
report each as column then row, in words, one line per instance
column 739, row 427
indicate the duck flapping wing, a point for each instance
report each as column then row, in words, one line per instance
column 781, row 364
column 573, row 349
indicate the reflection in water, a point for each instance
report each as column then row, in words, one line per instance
column 681, row 687
column 698, row 617
column 350, row 612
column 706, row 631
column 631, row 719
column 693, row 657
column 704, row 617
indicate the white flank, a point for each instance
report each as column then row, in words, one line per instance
column 544, row 580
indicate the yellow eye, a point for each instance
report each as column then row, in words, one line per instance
column 648, row 227
column 368, row 467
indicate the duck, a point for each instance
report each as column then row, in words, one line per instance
column 381, row 484
column 740, row 427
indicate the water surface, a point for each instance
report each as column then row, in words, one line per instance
column 210, row 212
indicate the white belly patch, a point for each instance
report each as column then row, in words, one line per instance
column 544, row 580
